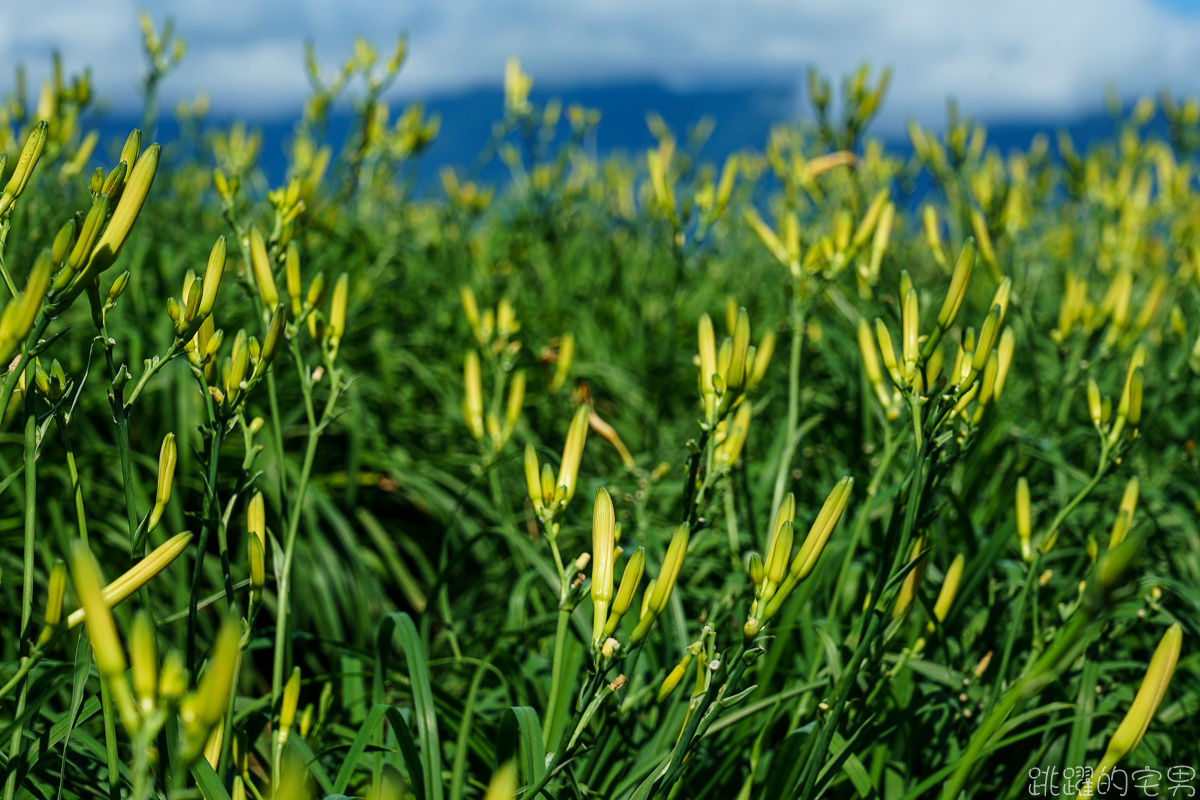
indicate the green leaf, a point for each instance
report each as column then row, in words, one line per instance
column 207, row 782
column 520, row 737
column 357, row 747
column 423, row 708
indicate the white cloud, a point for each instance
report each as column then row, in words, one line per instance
column 1025, row 58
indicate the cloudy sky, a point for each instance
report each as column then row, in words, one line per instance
column 1028, row 59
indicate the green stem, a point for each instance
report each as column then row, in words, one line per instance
column 110, row 741
column 560, row 643
column 14, row 746
column 284, row 589
column 798, row 314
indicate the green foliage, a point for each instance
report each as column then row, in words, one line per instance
column 851, row 595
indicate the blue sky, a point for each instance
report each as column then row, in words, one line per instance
column 1022, row 59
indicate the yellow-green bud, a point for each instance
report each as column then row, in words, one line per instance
column 533, row 481
column 115, row 182
column 603, row 532
column 568, row 472
column 166, row 476
column 566, row 354
column 54, row 600
column 109, row 245
column 516, row 401
column 132, row 147
column 287, row 709
column 473, row 400
column 25, row 164
column 958, row 285
column 212, row 277
column 291, row 263
column 822, row 527
column 665, row 583
column 762, row 359
column 630, row 578
column 136, row 576
column 102, row 631
column 144, row 661
column 1145, row 704
column 1024, row 526
column 941, row 606
column 260, row 262
column 63, row 242
column 735, row 375
column 674, row 677
column 337, row 307
column 888, row 352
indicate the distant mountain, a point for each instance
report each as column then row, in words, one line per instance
column 743, row 119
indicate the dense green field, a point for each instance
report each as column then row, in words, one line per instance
column 630, row 478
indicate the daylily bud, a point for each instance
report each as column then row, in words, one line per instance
column 568, row 473
column 264, row 277
column 630, row 579
column 1024, row 528
column 54, row 600
column 473, row 401
column 166, row 476
column 212, row 277
column 603, row 528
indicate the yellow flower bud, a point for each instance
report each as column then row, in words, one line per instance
column 762, row 359
column 674, row 677
column 143, row 658
column 911, row 319
column 31, row 299
column 735, row 375
column 206, row 706
column 30, row 153
column 337, row 308
column 54, row 600
column 63, row 242
column 256, row 518
column 256, row 555
column 1003, row 291
column 212, row 277
column 109, row 245
column 958, row 285
column 728, row 451
column 708, row 355
column 870, row 357
column 1095, row 405
column 93, row 223
column 1125, row 512
column 166, row 477
column 988, row 334
column 138, row 575
column 102, row 631
column 822, row 527
column 665, row 583
column 777, row 558
column 1024, row 526
column 287, row 709
column 473, row 402
column 132, row 147
column 516, row 401
column 533, row 482
column 941, row 607
column 603, row 541
column 630, row 578
column 1145, row 704
column 568, row 472
column 291, row 263
column 912, row 581
column 888, row 352
column 566, row 354
column 260, row 264
column 503, row 785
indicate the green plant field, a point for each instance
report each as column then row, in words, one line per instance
column 628, row 478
